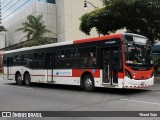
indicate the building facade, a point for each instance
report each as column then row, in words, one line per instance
column 61, row 17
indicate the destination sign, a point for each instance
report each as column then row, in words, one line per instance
column 139, row 40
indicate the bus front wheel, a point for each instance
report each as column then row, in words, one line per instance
column 27, row 79
column 19, row 80
column 88, row 83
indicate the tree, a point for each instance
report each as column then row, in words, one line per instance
column 2, row 28
column 137, row 16
column 34, row 27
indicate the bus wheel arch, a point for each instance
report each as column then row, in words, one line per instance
column 87, row 81
column 18, row 78
column 27, row 78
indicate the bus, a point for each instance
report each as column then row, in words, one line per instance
column 114, row 61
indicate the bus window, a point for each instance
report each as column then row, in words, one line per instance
column 38, row 60
column 69, row 53
column 86, row 57
column 27, row 60
column 38, row 56
column 4, row 61
column 67, row 58
column 27, row 57
column 16, row 59
column 50, row 60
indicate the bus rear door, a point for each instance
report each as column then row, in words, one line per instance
column 50, row 62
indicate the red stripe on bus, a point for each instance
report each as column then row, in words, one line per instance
column 78, row 72
column 98, row 38
column 120, row 75
column 37, row 75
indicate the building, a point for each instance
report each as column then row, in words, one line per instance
column 60, row 16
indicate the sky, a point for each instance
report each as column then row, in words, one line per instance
column 12, row 7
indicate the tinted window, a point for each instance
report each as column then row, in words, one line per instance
column 38, row 56
column 69, row 53
column 16, row 59
column 26, row 57
column 26, row 60
column 86, row 57
column 66, row 58
column 4, row 61
column 38, row 60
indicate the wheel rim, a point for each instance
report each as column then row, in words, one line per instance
column 88, row 83
column 19, row 78
column 27, row 79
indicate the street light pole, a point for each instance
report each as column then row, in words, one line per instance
column 85, row 4
column 5, row 40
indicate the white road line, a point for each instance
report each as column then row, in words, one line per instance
column 140, row 101
column 15, row 86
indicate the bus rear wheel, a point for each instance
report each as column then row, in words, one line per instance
column 27, row 79
column 19, row 80
column 88, row 83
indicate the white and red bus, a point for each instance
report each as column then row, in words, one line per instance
column 117, row 61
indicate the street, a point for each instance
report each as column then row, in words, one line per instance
column 43, row 97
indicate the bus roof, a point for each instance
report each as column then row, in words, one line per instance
column 112, row 36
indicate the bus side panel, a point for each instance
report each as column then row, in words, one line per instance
column 5, row 73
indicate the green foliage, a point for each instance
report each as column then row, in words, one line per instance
column 34, row 27
column 137, row 16
column 40, row 41
column 2, row 28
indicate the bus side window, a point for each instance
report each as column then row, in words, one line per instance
column 86, row 57
column 27, row 60
column 39, row 60
column 4, row 61
column 67, row 58
column 16, row 59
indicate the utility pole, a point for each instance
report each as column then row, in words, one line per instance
column 0, row 13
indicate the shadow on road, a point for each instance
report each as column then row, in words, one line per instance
column 77, row 88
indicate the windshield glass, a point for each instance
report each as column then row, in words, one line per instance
column 137, row 51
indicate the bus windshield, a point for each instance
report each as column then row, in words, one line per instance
column 137, row 51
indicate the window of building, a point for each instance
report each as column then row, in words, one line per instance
column 51, row 1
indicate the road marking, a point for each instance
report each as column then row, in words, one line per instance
column 140, row 101
column 15, row 86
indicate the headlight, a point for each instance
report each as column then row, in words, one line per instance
column 128, row 74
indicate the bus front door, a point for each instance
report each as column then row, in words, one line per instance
column 110, row 65
column 50, row 62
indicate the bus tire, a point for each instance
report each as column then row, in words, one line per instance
column 19, row 80
column 88, row 83
column 27, row 79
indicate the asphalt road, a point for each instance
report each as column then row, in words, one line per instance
column 43, row 97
